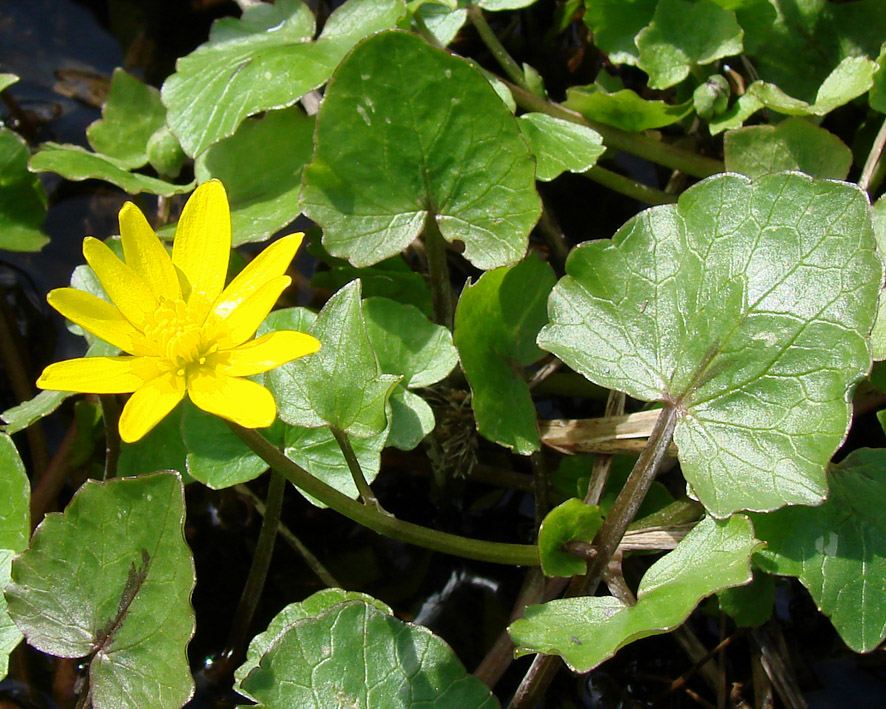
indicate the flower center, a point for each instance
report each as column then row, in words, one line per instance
column 178, row 337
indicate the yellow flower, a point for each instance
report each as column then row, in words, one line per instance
column 184, row 331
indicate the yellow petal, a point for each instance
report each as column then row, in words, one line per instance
column 145, row 255
column 98, row 316
column 202, row 243
column 238, row 400
column 242, row 323
column 268, row 351
column 98, row 375
column 149, row 404
column 270, row 263
column 124, row 286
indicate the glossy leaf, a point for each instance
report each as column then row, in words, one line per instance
column 407, row 344
column 684, row 35
column 624, row 109
column 342, row 385
column 355, row 654
column 820, row 32
column 496, row 323
column 313, row 606
column 15, row 491
column 444, row 145
column 215, row 456
column 75, row 163
column 749, row 304
column 587, row 630
column 616, row 24
column 262, row 188
column 570, row 521
column 878, row 335
column 131, row 114
column 560, row 146
column 794, row 144
column 838, row 549
column 317, row 451
column 111, row 579
column 22, row 197
column 266, row 60
column 497, row 5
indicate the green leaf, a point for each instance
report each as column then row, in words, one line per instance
column 684, row 35
column 445, row 147
column 130, row 116
column 22, row 197
column 316, row 450
column 878, row 335
column 811, row 37
column 749, row 606
column 624, row 109
column 411, row 420
column 587, row 630
column 262, row 188
column 498, row 5
column 850, row 79
column 311, row 607
column 615, row 24
column 749, row 304
column 560, row 146
column 161, row 449
column 215, row 455
column 75, row 163
column 111, row 579
column 341, row 385
column 15, row 491
column 877, row 97
column 794, row 144
column 838, row 549
column 496, row 324
column 407, row 343
column 443, row 22
column 266, row 60
column 7, row 80
column 570, row 521
column 356, row 655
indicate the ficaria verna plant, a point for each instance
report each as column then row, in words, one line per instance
column 595, row 291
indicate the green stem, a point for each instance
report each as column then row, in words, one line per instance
column 874, row 159
column 495, row 552
column 438, row 269
column 258, row 572
column 623, row 511
column 347, row 450
column 110, row 417
column 425, row 31
column 638, row 144
column 511, row 68
column 628, row 187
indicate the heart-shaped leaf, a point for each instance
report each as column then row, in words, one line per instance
column 311, row 607
column 267, row 60
column 111, row 580
column 838, row 549
column 342, row 385
column 356, row 655
column 445, row 147
column 15, row 491
column 587, row 630
column 263, row 189
column 22, row 197
column 794, row 144
column 131, row 114
column 749, row 305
